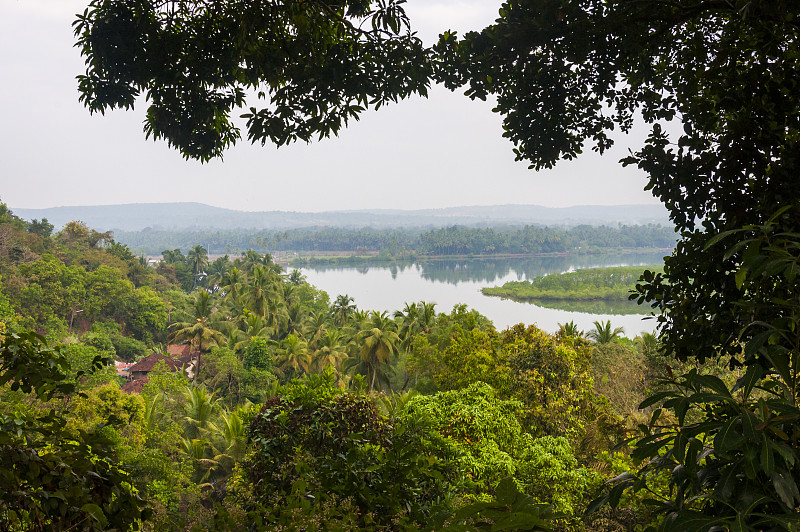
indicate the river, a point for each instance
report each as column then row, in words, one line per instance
column 378, row 286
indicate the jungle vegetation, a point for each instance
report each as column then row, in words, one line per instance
column 718, row 450
column 303, row 412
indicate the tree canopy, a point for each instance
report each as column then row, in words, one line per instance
column 195, row 61
column 716, row 83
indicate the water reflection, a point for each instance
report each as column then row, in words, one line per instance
column 388, row 286
column 617, row 308
column 490, row 270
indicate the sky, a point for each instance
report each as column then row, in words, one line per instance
column 442, row 151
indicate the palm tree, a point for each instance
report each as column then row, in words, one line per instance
column 197, row 261
column 409, row 324
column 332, row 351
column 648, row 345
column 343, row 308
column 427, row 316
column 378, row 343
column 250, row 325
column 227, row 443
column 216, row 273
column 250, row 259
column 296, row 278
column 173, row 256
column 198, row 411
column 295, row 317
column 289, row 293
column 315, row 325
column 293, row 354
column 602, row 333
column 264, row 297
column 202, row 333
column 570, row 330
column 154, row 413
column 233, row 284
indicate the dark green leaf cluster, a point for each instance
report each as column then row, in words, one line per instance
column 51, row 479
column 196, row 62
column 325, row 444
column 736, row 467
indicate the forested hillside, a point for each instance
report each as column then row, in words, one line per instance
column 292, row 408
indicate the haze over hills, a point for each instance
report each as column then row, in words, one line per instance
column 188, row 216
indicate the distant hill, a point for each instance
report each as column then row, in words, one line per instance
column 188, row 216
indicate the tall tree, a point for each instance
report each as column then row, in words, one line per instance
column 293, row 356
column 202, row 330
column 377, row 343
column 603, row 333
column 343, row 308
column 197, row 260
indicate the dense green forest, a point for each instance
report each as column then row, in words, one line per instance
column 300, row 411
column 610, row 284
column 483, row 429
column 456, row 240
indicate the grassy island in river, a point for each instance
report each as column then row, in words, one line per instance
column 611, row 284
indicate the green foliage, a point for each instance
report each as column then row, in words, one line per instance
column 42, row 227
column 101, row 341
column 128, row 348
column 82, row 361
column 553, row 380
column 551, row 473
column 488, row 433
column 733, row 452
column 7, row 316
column 361, row 40
column 56, row 477
column 510, row 510
column 318, row 445
column 621, row 374
column 737, row 467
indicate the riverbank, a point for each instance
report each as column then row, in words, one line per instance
column 359, row 258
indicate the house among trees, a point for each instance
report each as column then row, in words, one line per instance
column 181, row 357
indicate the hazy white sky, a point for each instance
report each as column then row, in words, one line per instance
column 421, row 153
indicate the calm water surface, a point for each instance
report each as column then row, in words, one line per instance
column 451, row 282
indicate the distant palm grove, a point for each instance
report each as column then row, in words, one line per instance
column 455, row 240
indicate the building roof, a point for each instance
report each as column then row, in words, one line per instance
column 149, row 362
column 182, row 352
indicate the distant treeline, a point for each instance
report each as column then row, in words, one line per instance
column 455, row 240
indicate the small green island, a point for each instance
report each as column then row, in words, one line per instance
column 591, row 284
